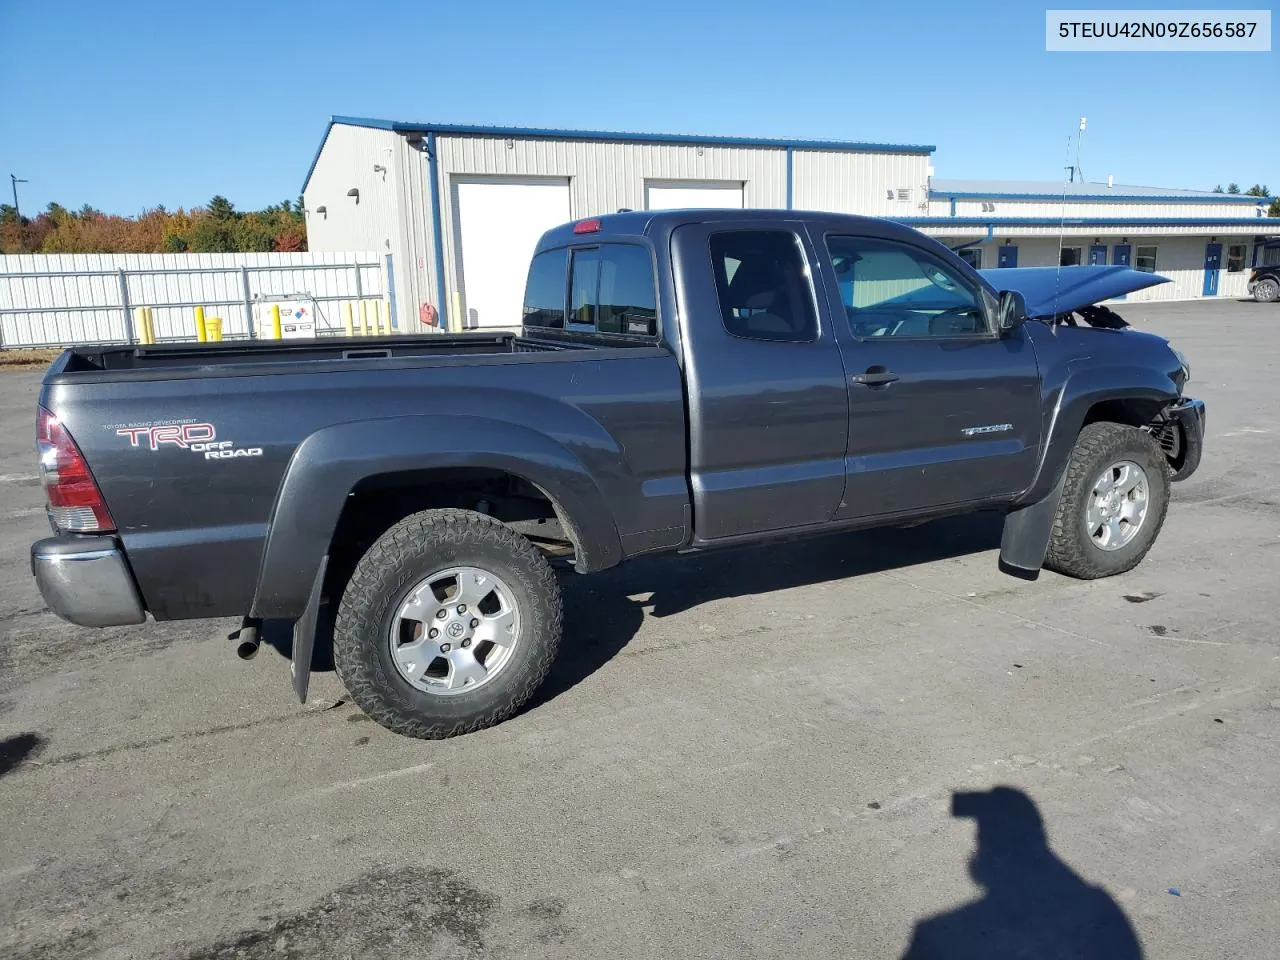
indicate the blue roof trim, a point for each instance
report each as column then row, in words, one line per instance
column 998, row 222
column 1110, row 197
column 399, row 126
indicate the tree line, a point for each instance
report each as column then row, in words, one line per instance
column 1257, row 190
column 217, row 227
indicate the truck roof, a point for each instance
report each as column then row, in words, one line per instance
column 653, row 223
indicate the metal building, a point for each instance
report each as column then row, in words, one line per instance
column 1204, row 242
column 459, row 209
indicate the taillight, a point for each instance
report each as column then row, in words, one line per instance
column 75, row 502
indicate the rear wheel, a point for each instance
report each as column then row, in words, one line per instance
column 1266, row 291
column 449, row 623
column 1114, row 498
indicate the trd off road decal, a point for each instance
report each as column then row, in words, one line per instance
column 199, row 438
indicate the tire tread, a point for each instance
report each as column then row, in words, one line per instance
column 1069, row 553
column 357, row 628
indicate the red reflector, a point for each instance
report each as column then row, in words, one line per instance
column 75, row 501
column 587, row 226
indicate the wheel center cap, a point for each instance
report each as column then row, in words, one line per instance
column 455, row 630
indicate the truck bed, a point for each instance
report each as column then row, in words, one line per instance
column 207, row 358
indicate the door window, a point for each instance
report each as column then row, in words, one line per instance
column 1145, row 259
column 892, row 289
column 1070, row 257
column 763, row 285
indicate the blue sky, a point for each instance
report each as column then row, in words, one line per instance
column 130, row 104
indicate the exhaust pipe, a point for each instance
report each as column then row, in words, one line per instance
column 247, row 639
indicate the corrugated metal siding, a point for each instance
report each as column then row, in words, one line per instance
column 968, row 232
column 604, row 177
column 85, row 306
column 1181, row 259
column 1074, row 208
column 859, row 183
column 347, row 161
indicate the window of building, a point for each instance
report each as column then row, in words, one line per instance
column 896, row 290
column 1070, row 257
column 1236, row 257
column 1144, row 259
column 972, row 256
column 544, row 293
column 763, row 285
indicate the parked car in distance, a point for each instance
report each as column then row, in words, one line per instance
column 1264, row 283
column 684, row 381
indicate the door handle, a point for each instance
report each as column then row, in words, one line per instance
column 875, row 377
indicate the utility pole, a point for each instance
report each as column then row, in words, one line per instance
column 17, row 213
column 13, row 182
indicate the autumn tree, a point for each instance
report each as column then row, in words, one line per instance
column 216, row 228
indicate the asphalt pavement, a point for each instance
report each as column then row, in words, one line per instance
column 867, row 745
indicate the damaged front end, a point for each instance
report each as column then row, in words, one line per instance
column 1180, row 432
column 1073, row 296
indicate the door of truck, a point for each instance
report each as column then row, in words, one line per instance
column 768, row 398
column 942, row 410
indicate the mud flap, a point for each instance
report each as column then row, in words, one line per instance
column 304, row 636
column 1025, row 539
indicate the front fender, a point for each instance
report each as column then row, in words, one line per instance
column 1086, row 383
column 328, row 464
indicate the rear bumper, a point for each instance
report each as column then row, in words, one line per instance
column 86, row 580
column 1189, row 414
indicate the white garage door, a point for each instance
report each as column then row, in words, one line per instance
column 499, row 224
column 681, row 196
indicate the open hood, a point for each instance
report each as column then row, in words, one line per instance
column 1054, row 290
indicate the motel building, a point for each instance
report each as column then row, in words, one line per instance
column 1204, row 242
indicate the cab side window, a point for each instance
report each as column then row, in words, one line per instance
column 895, row 290
column 763, row 285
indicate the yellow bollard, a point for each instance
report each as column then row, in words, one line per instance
column 140, row 324
column 457, row 320
column 275, row 322
column 201, row 334
column 213, row 329
column 376, row 316
column 151, row 324
column 364, row 319
column 347, row 328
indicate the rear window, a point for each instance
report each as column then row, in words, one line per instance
column 544, row 295
column 626, row 302
column 610, row 289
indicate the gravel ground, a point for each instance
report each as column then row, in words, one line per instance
column 761, row 753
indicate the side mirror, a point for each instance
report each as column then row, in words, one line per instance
column 1011, row 312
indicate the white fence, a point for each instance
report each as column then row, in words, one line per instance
column 80, row 298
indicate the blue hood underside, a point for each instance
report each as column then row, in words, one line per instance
column 1050, row 291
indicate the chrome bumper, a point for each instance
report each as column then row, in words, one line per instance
column 86, row 580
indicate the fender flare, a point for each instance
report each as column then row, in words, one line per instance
column 329, row 463
column 1028, row 527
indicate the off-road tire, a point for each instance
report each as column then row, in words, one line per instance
column 1071, row 550
column 397, row 561
column 1266, row 290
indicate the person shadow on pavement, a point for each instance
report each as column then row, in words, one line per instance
column 1033, row 906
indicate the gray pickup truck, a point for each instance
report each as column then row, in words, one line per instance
column 683, row 381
